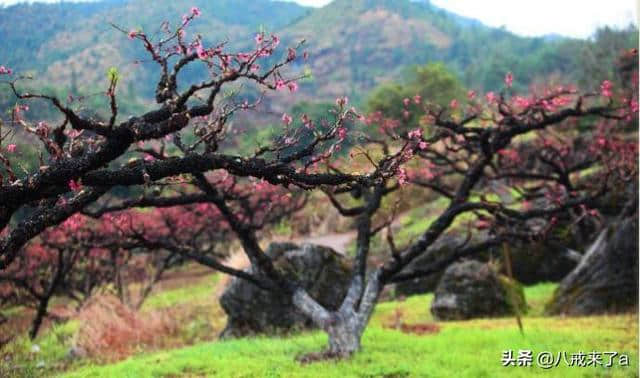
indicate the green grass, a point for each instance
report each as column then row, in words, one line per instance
column 461, row 349
column 33, row 356
column 458, row 350
column 202, row 291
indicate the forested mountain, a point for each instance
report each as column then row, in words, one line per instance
column 354, row 44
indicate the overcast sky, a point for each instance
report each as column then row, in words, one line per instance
column 576, row 18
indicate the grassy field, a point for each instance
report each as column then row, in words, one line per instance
column 454, row 349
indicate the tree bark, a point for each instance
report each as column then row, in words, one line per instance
column 41, row 312
column 346, row 325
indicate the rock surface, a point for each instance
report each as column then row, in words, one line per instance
column 542, row 262
column 442, row 248
column 606, row 279
column 530, row 263
column 250, row 310
column 471, row 289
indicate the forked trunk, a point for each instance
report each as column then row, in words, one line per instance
column 346, row 325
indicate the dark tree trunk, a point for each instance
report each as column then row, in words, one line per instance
column 43, row 300
column 41, row 312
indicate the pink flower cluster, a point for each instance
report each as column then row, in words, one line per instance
column 342, row 101
column 286, row 119
column 75, row 185
column 415, row 134
column 403, row 178
column 508, row 79
column 605, row 88
column 5, row 71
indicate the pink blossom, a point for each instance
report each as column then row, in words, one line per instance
column 511, row 155
column 560, row 101
column 471, row 95
column 132, row 34
column 202, row 53
column 286, row 119
column 453, row 104
column 42, row 129
column 195, row 11
column 5, row 71
column 605, row 88
column 342, row 133
column 406, row 102
column 342, row 101
column 293, row 86
column 243, row 57
column 255, row 68
column 403, row 179
column 11, row 148
column 75, row 185
column 482, row 224
column 423, row 145
column 280, row 84
column 508, row 79
column 417, row 99
column 634, row 106
column 275, row 41
column 417, row 134
column 491, row 97
column 259, row 38
column 521, row 101
column 291, row 55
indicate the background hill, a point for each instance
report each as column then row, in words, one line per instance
column 354, row 44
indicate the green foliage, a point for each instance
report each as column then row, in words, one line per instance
column 113, row 75
column 433, row 82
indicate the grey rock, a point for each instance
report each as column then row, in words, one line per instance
column 251, row 310
column 471, row 289
column 445, row 246
column 606, row 279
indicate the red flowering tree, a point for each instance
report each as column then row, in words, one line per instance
column 460, row 152
column 509, row 166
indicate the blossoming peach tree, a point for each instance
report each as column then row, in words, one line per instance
column 527, row 146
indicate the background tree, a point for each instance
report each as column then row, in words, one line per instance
column 432, row 83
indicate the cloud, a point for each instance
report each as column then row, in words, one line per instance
column 575, row 18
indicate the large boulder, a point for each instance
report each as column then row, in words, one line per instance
column 606, row 279
column 471, row 289
column 443, row 247
column 532, row 263
column 250, row 310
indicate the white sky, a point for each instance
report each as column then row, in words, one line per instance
column 576, row 18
